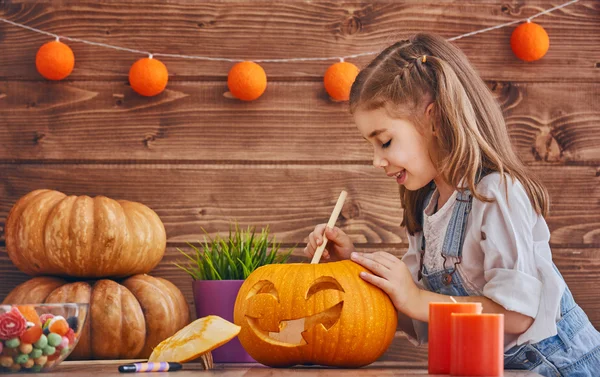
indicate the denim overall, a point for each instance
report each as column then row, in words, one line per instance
column 573, row 352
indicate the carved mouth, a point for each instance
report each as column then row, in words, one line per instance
column 291, row 330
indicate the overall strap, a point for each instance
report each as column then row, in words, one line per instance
column 455, row 233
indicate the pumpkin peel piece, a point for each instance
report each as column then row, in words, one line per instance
column 194, row 340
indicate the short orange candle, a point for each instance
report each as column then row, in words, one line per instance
column 439, row 332
column 477, row 347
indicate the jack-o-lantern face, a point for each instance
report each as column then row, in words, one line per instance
column 313, row 314
column 290, row 330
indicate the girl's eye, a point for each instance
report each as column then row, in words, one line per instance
column 385, row 145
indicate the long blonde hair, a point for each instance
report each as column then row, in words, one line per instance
column 471, row 133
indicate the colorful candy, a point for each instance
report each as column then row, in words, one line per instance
column 64, row 343
column 58, row 325
column 71, row 336
column 28, row 364
column 6, row 361
column 21, row 359
column 15, row 367
column 36, row 353
column 30, row 314
column 12, row 352
column 32, row 334
column 12, row 324
column 54, row 339
column 32, row 343
column 26, row 348
column 73, row 322
column 12, row 343
column 42, row 342
column 49, row 350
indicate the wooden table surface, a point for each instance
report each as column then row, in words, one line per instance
column 109, row 368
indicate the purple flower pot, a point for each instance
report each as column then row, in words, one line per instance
column 217, row 297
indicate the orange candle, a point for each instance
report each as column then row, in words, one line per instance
column 439, row 332
column 477, row 347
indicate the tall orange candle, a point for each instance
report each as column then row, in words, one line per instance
column 439, row 332
column 477, row 345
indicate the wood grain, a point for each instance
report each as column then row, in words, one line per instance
column 282, row 30
column 294, row 121
column 108, row 368
column 291, row 199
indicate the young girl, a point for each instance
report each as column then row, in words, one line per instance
column 473, row 212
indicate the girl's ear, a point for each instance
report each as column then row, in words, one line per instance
column 429, row 115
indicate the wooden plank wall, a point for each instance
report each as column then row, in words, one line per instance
column 201, row 160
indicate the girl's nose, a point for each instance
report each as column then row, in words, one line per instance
column 379, row 162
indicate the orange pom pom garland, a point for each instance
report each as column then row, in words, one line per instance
column 247, row 81
column 529, row 42
column 55, row 60
column 148, row 77
column 338, row 80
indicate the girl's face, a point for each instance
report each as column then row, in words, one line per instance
column 398, row 147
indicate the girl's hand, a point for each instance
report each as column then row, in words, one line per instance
column 338, row 245
column 392, row 276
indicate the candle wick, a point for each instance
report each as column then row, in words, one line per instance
column 453, row 300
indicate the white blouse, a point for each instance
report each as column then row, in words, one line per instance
column 506, row 256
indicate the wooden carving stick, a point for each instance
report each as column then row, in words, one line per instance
column 332, row 219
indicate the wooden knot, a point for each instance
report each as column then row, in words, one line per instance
column 39, row 137
column 546, row 147
column 351, row 211
column 148, row 140
column 351, row 25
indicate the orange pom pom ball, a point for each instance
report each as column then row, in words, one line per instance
column 339, row 79
column 55, row 60
column 529, row 42
column 247, row 81
column 148, row 77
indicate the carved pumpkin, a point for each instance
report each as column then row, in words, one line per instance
column 313, row 314
column 125, row 320
column 49, row 233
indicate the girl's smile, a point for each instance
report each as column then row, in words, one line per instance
column 398, row 147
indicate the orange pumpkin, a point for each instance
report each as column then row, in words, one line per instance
column 313, row 314
column 50, row 233
column 125, row 320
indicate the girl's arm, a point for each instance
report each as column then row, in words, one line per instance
column 405, row 324
column 393, row 277
column 514, row 323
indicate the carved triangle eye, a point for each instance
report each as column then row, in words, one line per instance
column 263, row 286
column 323, row 283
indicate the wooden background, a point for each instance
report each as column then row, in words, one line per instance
column 201, row 160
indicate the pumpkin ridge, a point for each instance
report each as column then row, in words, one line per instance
column 56, row 255
column 180, row 302
column 167, row 308
column 340, row 330
column 360, row 287
column 11, row 228
column 27, row 256
column 44, row 228
column 135, row 258
column 79, row 235
column 114, row 238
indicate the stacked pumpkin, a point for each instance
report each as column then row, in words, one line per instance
column 50, row 233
